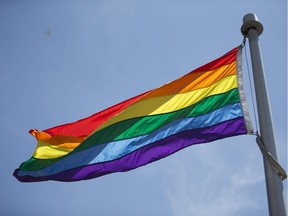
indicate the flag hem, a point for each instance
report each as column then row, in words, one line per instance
column 241, row 90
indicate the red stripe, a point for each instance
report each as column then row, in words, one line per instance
column 84, row 127
column 223, row 60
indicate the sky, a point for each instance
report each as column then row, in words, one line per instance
column 64, row 60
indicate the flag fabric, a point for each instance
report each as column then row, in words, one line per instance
column 204, row 105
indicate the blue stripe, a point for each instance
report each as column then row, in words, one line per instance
column 117, row 149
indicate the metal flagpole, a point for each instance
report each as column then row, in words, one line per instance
column 251, row 29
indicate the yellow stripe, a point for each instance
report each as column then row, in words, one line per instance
column 169, row 103
column 48, row 151
column 193, row 81
column 49, row 147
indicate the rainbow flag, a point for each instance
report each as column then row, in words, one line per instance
column 204, row 105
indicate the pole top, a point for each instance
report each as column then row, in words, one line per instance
column 250, row 20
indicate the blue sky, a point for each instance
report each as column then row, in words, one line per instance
column 64, row 60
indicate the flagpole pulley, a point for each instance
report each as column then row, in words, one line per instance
column 251, row 21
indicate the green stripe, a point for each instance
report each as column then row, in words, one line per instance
column 142, row 125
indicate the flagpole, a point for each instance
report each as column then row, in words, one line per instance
column 251, row 29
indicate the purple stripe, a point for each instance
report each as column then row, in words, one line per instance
column 150, row 153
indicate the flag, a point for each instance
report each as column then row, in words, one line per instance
column 204, row 105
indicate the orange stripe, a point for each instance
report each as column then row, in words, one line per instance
column 193, row 81
column 54, row 146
